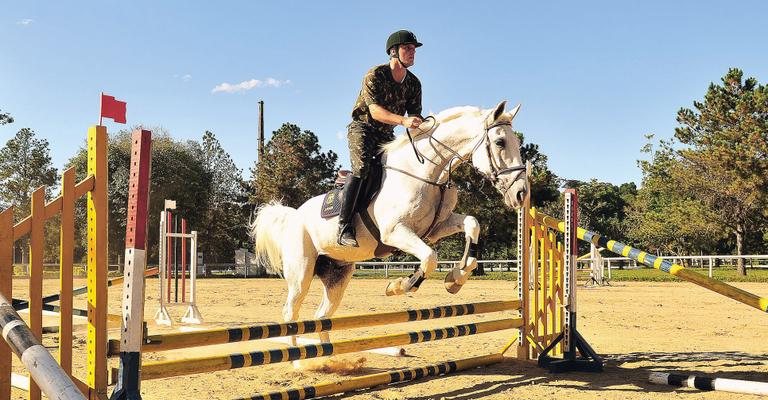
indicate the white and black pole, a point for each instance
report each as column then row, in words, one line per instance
column 43, row 368
column 710, row 384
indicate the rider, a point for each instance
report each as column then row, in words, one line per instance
column 389, row 91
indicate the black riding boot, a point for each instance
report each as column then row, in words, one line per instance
column 346, row 217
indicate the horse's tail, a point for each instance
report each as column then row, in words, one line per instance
column 269, row 230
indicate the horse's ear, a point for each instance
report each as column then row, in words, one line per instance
column 496, row 114
column 514, row 111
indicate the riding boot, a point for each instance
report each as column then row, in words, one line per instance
column 346, row 217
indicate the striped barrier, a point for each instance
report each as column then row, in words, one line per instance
column 383, row 378
column 170, row 341
column 710, row 384
column 750, row 299
column 187, row 366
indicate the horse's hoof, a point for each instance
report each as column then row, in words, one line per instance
column 395, row 288
column 450, row 283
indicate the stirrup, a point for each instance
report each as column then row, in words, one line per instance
column 347, row 236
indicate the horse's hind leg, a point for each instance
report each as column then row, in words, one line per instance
column 335, row 279
column 298, row 270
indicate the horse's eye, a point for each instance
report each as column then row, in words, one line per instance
column 500, row 143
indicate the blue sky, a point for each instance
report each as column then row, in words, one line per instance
column 593, row 77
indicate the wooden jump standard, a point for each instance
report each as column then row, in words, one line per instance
column 94, row 186
column 181, row 340
column 186, row 366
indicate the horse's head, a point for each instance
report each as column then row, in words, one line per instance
column 497, row 155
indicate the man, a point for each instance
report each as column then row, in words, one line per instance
column 389, row 91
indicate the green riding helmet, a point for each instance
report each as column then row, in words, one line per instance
column 401, row 37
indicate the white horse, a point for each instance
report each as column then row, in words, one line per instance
column 414, row 206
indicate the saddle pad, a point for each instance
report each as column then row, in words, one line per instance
column 331, row 204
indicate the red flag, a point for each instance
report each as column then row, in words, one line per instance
column 111, row 108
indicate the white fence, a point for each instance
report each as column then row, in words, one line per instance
column 710, row 262
column 409, row 266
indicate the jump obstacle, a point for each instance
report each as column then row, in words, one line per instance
column 544, row 314
column 541, row 319
column 171, row 243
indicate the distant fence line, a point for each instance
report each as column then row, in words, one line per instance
column 709, row 262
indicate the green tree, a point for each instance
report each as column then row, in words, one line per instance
column 723, row 161
column 664, row 219
column 25, row 165
column 177, row 174
column 603, row 205
column 5, row 118
column 223, row 224
column 294, row 168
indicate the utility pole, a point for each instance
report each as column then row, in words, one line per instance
column 261, row 130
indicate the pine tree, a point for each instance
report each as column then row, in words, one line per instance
column 724, row 163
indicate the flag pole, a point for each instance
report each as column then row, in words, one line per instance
column 101, row 106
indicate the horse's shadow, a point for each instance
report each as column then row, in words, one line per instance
column 618, row 377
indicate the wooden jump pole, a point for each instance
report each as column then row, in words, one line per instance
column 181, row 340
column 750, row 299
column 383, row 378
column 196, row 365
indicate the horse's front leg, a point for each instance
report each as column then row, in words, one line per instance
column 409, row 242
column 459, row 275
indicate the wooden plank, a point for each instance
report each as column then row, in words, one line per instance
column 6, row 289
column 36, row 254
column 66, row 261
column 97, row 263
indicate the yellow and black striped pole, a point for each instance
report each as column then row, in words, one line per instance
column 750, row 299
column 383, row 378
column 180, row 340
column 186, row 366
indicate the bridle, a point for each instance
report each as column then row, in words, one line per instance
column 497, row 171
column 493, row 176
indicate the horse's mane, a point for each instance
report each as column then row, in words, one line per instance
column 441, row 118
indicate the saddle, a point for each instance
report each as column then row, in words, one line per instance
column 369, row 189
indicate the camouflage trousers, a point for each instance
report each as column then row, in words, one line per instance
column 364, row 144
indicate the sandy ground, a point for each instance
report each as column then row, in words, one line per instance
column 637, row 327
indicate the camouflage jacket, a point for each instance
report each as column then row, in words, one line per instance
column 381, row 89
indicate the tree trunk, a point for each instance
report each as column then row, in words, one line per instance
column 742, row 270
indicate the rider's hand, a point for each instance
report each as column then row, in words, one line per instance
column 412, row 122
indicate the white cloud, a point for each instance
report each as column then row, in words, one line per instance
column 341, row 135
column 185, row 78
column 25, row 21
column 249, row 85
